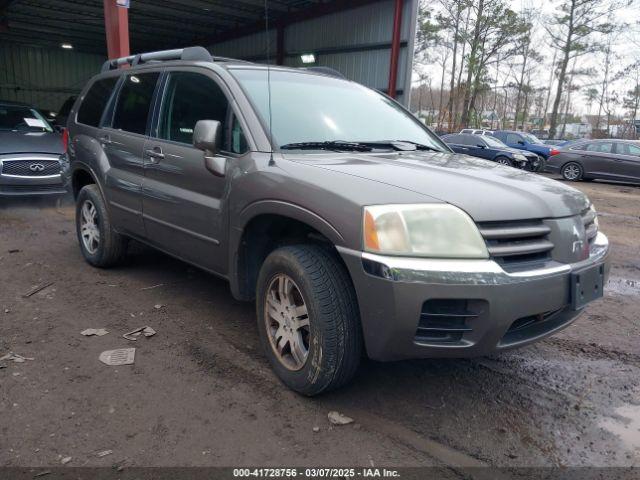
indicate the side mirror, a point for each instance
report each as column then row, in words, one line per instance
column 521, row 142
column 480, row 145
column 206, row 137
column 58, row 128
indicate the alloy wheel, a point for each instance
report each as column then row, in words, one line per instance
column 89, row 228
column 571, row 172
column 287, row 322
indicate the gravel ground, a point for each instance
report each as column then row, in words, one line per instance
column 201, row 392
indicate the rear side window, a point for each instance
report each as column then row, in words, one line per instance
column 95, row 101
column 134, row 102
column 600, row 147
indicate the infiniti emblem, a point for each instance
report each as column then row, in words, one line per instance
column 36, row 167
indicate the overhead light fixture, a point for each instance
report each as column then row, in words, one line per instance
column 66, row 46
column 308, row 58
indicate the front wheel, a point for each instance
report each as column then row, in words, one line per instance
column 572, row 171
column 504, row 161
column 308, row 319
column 542, row 164
column 100, row 244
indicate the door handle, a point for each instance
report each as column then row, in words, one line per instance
column 106, row 140
column 154, row 153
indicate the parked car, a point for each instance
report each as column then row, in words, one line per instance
column 606, row 159
column 348, row 222
column 31, row 160
column 490, row 148
column 473, row 131
column 528, row 142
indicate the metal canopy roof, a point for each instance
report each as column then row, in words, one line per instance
column 153, row 24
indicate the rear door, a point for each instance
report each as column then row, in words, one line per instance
column 454, row 141
column 598, row 159
column 628, row 159
column 183, row 201
column 123, row 142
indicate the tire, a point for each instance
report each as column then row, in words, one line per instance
column 572, row 171
column 109, row 247
column 332, row 336
column 504, row 161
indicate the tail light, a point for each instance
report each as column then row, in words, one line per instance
column 554, row 152
column 65, row 139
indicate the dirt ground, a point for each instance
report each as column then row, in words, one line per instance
column 201, row 392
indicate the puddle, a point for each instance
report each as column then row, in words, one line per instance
column 623, row 286
column 626, row 426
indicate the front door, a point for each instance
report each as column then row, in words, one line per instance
column 182, row 200
column 123, row 142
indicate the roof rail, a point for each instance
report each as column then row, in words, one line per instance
column 200, row 54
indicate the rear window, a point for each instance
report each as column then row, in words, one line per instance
column 95, row 101
column 134, row 102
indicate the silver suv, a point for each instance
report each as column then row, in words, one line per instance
column 353, row 227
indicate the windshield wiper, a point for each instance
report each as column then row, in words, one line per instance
column 328, row 145
column 402, row 145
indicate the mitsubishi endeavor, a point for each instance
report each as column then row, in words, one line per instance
column 352, row 226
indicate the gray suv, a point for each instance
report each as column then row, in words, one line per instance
column 351, row 225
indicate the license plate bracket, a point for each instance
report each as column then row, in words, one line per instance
column 587, row 285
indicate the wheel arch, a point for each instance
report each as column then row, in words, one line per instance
column 264, row 226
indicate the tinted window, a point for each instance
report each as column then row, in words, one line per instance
column 190, row 97
column 513, row 138
column 134, row 102
column 95, row 101
column 452, row 138
column 628, row 149
column 600, row 147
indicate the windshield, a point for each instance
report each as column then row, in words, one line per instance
column 494, row 142
column 531, row 138
column 313, row 108
column 16, row 117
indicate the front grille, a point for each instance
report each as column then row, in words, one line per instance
column 517, row 242
column 30, row 167
column 589, row 218
column 447, row 320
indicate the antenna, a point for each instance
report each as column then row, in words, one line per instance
column 266, row 23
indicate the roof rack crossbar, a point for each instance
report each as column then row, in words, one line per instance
column 190, row 53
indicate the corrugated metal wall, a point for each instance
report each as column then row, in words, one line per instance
column 356, row 42
column 44, row 77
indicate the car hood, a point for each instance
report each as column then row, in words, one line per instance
column 486, row 190
column 30, row 142
column 519, row 152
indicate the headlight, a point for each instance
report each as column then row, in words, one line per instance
column 520, row 157
column 430, row 230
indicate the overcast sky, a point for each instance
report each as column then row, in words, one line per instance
column 627, row 48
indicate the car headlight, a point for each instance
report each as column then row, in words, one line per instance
column 520, row 157
column 426, row 230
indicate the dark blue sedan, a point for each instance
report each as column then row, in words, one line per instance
column 490, row 148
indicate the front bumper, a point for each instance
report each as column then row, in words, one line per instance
column 33, row 184
column 391, row 304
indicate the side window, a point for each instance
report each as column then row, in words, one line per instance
column 600, row 147
column 190, row 97
column 513, row 138
column 95, row 101
column 628, row 149
column 134, row 102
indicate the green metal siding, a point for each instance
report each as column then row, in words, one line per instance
column 44, row 77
